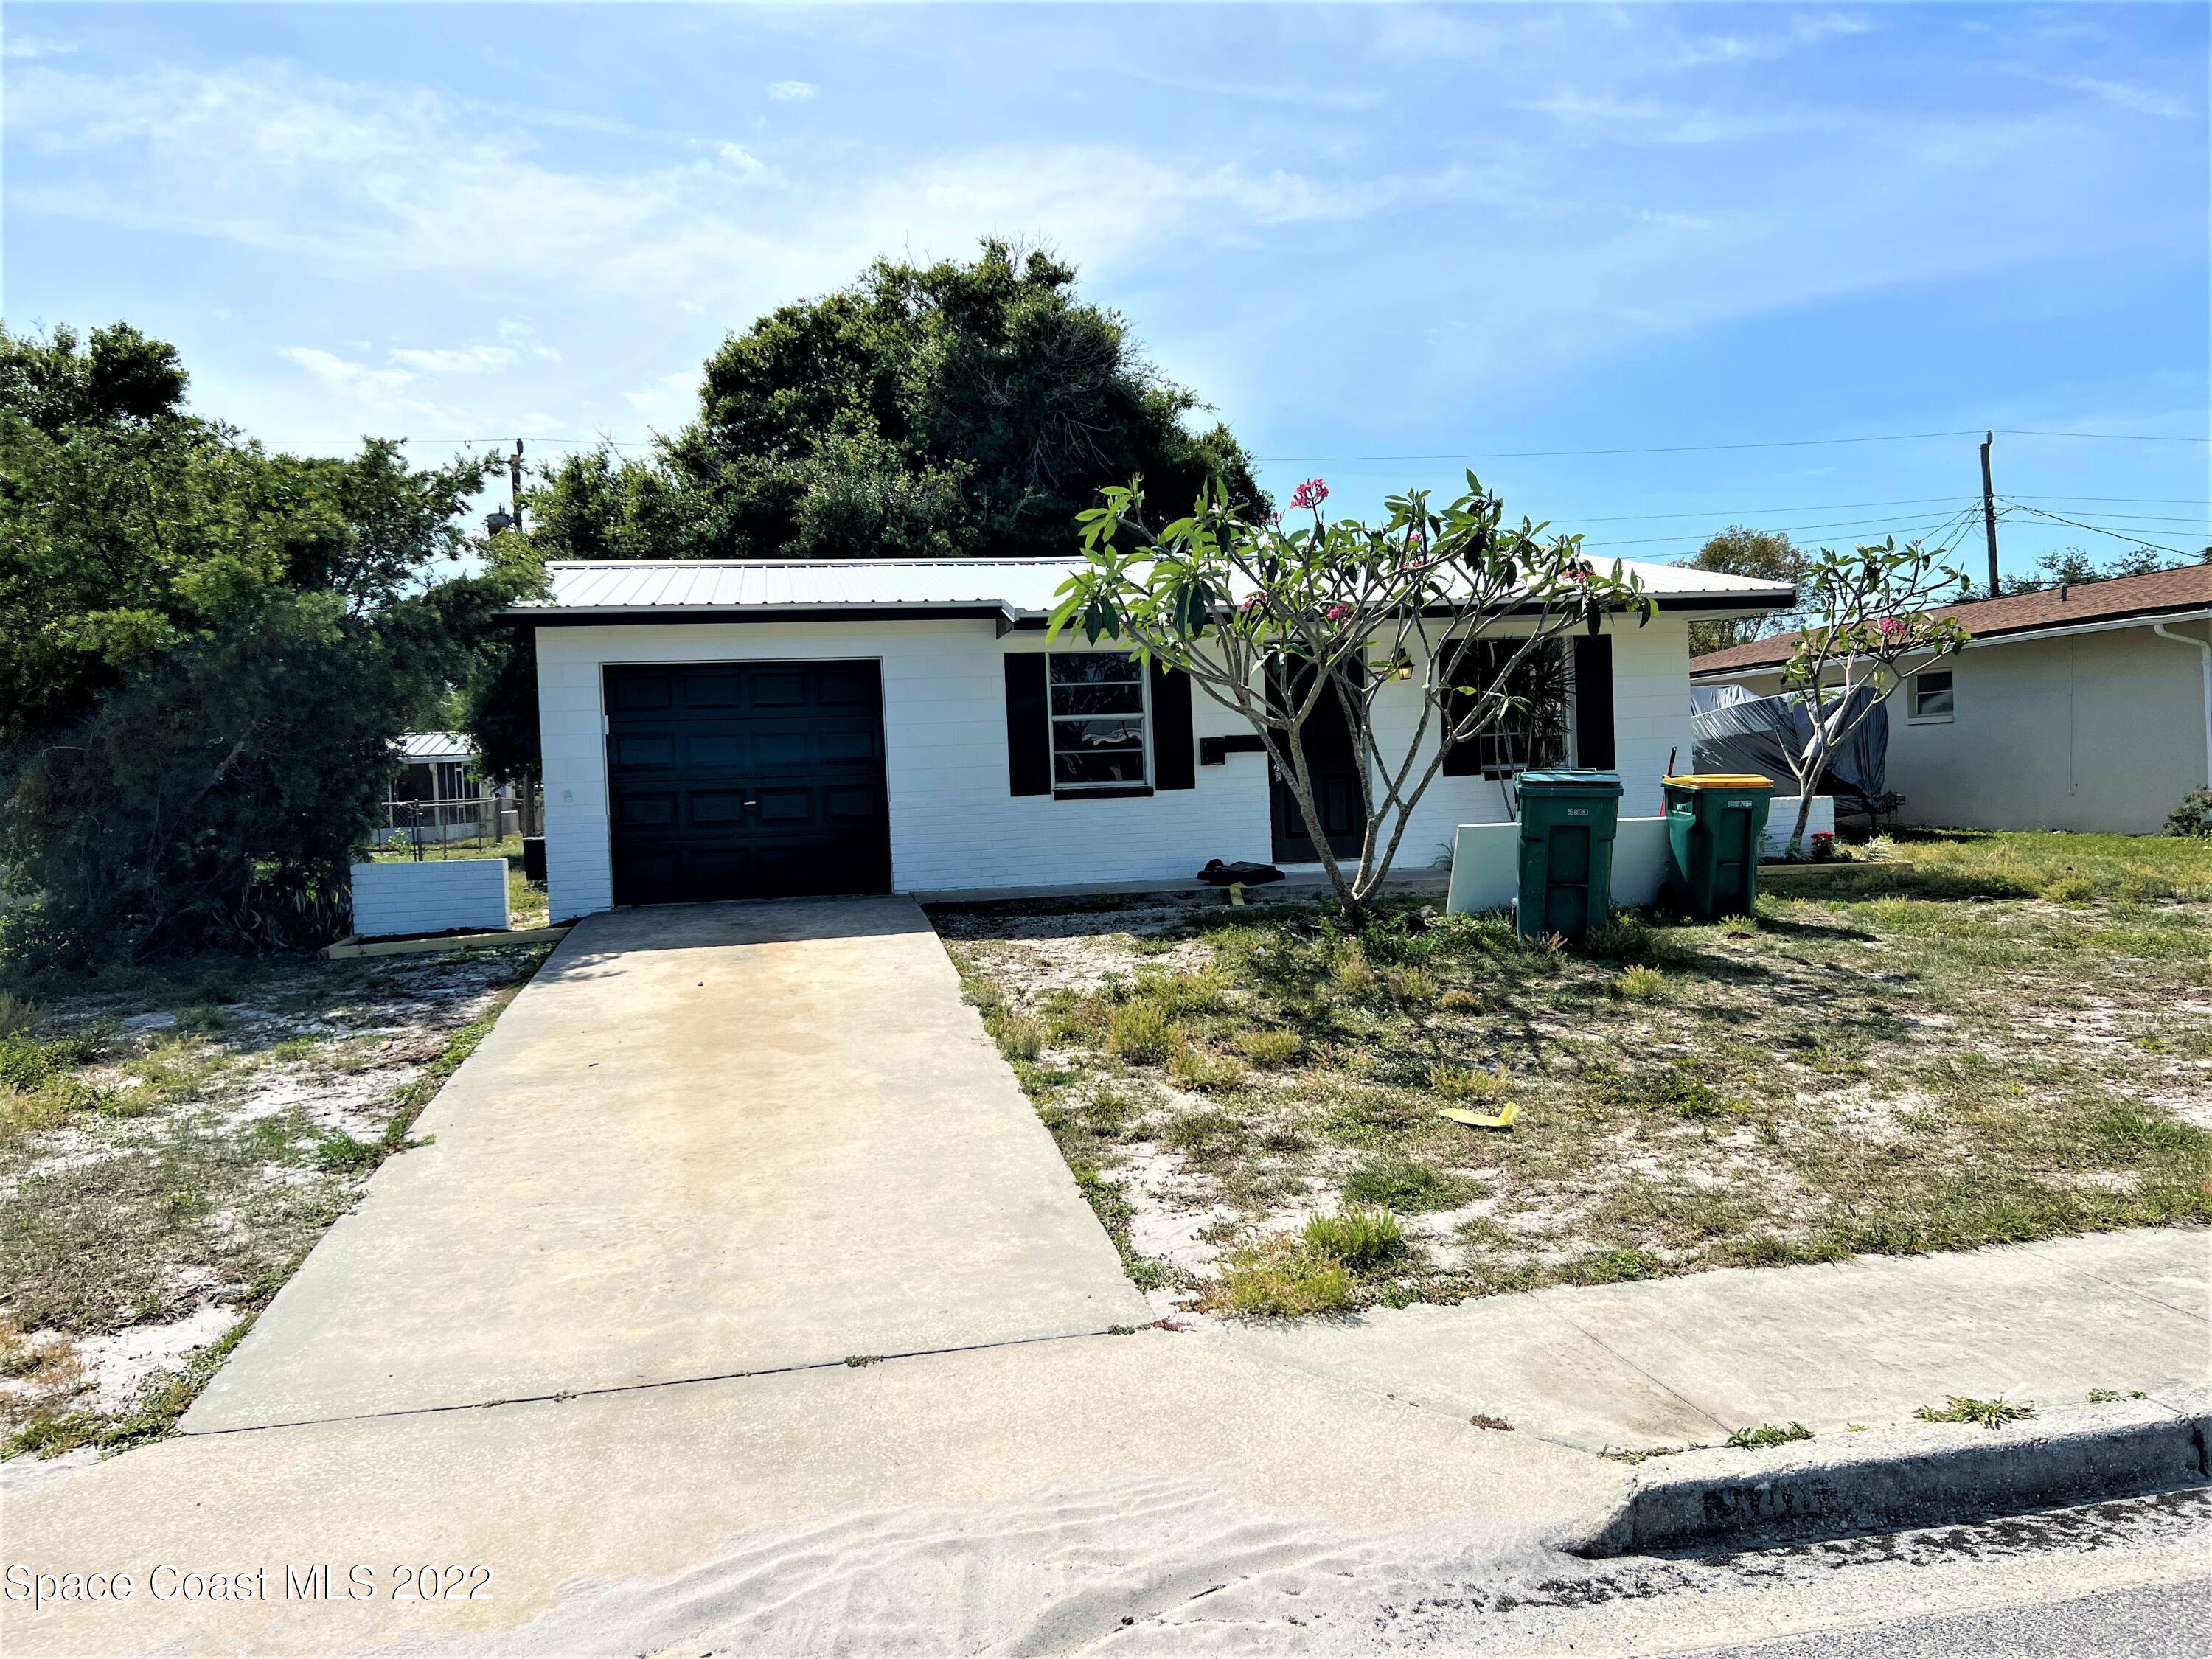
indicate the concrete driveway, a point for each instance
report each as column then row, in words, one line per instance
column 705, row 1141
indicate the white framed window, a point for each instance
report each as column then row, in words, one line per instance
column 1097, row 701
column 1934, row 694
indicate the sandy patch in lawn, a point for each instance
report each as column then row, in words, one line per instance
column 322, row 1051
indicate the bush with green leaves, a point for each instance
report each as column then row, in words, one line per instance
column 206, row 651
column 2193, row 817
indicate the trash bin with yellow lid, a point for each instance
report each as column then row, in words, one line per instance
column 1716, row 826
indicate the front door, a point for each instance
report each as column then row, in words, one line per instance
column 1332, row 764
column 752, row 780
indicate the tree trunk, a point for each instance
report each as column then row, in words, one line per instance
column 1804, row 815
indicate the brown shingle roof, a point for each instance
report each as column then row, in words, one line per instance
column 2186, row 588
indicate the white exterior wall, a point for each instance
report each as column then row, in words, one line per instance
column 2086, row 733
column 953, row 825
column 952, row 822
column 1650, row 716
column 432, row 896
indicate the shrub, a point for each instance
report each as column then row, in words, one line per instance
column 1459, row 1001
column 2193, row 817
column 1142, row 1034
column 1270, row 1046
column 1637, row 983
column 1406, row 1185
column 2070, row 889
column 1204, row 1069
column 1357, row 1238
column 1277, row 1277
column 1470, row 1083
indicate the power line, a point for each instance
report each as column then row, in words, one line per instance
column 1789, row 529
column 2129, row 437
column 2116, row 535
column 1654, row 449
column 1759, row 511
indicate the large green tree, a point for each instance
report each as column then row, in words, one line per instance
column 969, row 408
column 1740, row 550
column 205, row 652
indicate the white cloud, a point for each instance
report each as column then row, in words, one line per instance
column 354, row 177
column 667, row 401
column 459, row 359
column 2124, row 94
column 792, row 92
column 353, row 380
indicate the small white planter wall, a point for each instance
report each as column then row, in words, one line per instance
column 1486, row 857
column 433, row 897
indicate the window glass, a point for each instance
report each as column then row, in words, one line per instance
column 1534, row 731
column 1932, row 693
column 1098, row 719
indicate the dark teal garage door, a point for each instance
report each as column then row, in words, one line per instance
column 746, row 780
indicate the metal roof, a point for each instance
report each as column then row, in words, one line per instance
column 1018, row 588
column 435, row 746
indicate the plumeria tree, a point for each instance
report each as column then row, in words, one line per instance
column 1268, row 617
column 1872, row 610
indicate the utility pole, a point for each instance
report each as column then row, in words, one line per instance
column 514, row 490
column 1989, row 507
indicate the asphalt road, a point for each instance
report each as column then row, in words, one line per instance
column 2156, row 1621
column 2132, row 1577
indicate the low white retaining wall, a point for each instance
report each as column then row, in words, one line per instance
column 1486, row 857
column 1782, row 818
column 433, row 897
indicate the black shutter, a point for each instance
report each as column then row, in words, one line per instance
column 1461, row 760
column 1173, row 767
column 1029, row 731
column 1593, row 702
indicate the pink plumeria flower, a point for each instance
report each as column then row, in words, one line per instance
column 1337, row 613
column 1310, row 494
column 1890, row 627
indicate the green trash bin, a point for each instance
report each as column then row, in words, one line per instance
column 1568, row 820
column 1716, row 826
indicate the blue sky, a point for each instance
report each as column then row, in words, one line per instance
column 1371, row 232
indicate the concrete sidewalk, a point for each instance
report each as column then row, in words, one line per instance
column 705, row 1140
column 1688, row 1360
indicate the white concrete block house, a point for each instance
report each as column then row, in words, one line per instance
column 731, row 730
column 2083, row 707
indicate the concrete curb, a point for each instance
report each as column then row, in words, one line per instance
column 1910, row 1475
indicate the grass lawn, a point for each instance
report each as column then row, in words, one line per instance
column 2012, row 1041
column 172, row 1144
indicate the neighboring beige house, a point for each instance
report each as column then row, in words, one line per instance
column 2085, row 707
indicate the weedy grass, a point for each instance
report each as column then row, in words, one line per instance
column 1143, row 1033
column 1898, row 1063
column 1361, row 1239
column 1769, row 1434
column 1269, row 1046
column 1279, row 1277
column 166, row 1195
column 1989, row 1413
